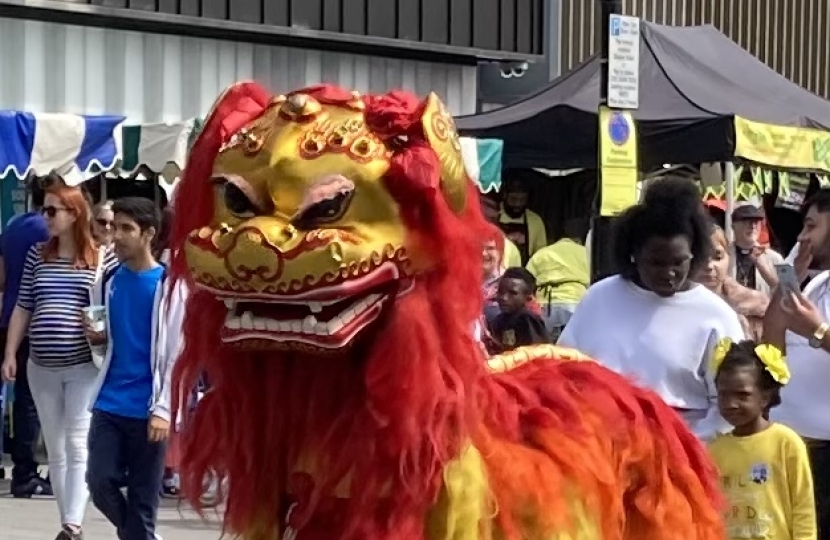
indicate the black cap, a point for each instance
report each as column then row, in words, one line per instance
column 747, row 212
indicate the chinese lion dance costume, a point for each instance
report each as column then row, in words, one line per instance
column 332, row 243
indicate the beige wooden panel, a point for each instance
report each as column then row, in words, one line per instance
column 790, row 36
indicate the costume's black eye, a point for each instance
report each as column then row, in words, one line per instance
column 323, row 212
column 239, row 196
column 236, row 200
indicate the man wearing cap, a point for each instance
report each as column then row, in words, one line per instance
column 753, row 264
column 521, row 225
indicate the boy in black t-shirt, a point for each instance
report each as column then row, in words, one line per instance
column 516, row 325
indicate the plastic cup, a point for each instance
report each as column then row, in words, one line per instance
column 96, row 317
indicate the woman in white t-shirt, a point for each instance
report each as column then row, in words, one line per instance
column 651, row 322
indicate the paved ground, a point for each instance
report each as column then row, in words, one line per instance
column 37, row 519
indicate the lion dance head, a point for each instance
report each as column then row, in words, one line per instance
column 332, row 245
column 308, row 238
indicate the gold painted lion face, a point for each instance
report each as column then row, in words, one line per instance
column 306, row 245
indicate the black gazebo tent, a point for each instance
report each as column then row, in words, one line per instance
column 693, row 82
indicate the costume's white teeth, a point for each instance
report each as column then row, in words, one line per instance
column 247, row 321
column 230, row 304
column 309, row 325
column 334, row 325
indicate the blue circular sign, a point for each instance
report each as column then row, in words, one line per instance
column 618, row 129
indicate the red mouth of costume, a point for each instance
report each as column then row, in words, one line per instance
column 326, row 317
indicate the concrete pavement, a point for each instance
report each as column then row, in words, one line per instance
column 37, row 519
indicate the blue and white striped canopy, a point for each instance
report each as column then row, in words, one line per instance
column 74, row 146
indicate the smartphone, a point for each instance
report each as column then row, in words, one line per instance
column 787, row 279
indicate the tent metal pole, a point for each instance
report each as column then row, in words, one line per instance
column 602, row 264
column 729, row 181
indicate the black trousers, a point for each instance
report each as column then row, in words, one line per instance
column 820, row 463
column 119, row 449
column 24, row 418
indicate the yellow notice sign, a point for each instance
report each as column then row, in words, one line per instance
column 784, row 147
column 618, row 161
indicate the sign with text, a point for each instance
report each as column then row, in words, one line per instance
column 785, row 147
column 618, row 161
column 624, row 62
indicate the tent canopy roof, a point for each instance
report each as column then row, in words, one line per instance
column 693, row 81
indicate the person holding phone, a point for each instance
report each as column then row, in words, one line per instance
column 799, row 323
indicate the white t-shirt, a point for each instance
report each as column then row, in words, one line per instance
column 805, row 401
column 664, row 344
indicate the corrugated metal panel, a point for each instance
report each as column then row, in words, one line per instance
column 791, row 36
column 510, row 26
column 50, row 67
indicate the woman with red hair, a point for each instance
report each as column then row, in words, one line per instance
column 54, row 289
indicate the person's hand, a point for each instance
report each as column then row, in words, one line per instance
column 158, row 429
column 764, row 265
column 803, row 318
column 756, row 252
column 94, row 337
column 9, row 368
column 802, row 260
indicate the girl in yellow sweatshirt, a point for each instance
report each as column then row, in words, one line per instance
column 764, row 468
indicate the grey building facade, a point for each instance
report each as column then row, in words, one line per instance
column 160, row 60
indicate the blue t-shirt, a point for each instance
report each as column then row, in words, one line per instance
column 20, row 234
column 128, row 386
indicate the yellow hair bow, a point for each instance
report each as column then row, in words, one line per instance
column 774, row 361
column 770, row 355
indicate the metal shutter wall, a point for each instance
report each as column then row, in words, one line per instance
column 791, row 36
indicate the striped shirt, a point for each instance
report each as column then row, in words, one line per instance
column 55, row 293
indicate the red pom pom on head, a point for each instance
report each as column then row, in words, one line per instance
column 395, row 114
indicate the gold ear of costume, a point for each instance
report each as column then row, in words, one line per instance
column 439, row 128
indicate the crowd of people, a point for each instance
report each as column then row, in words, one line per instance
column 701, row 321
column 706, row 325
column 105, row 418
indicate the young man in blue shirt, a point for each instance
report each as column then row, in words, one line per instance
column 131, row 410
column 21, row 233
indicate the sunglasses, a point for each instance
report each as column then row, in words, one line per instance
column 104, row 222
column 51, row 211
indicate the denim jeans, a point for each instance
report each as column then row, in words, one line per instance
column 25, row 423
column 3, row 393
column 119, row 448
